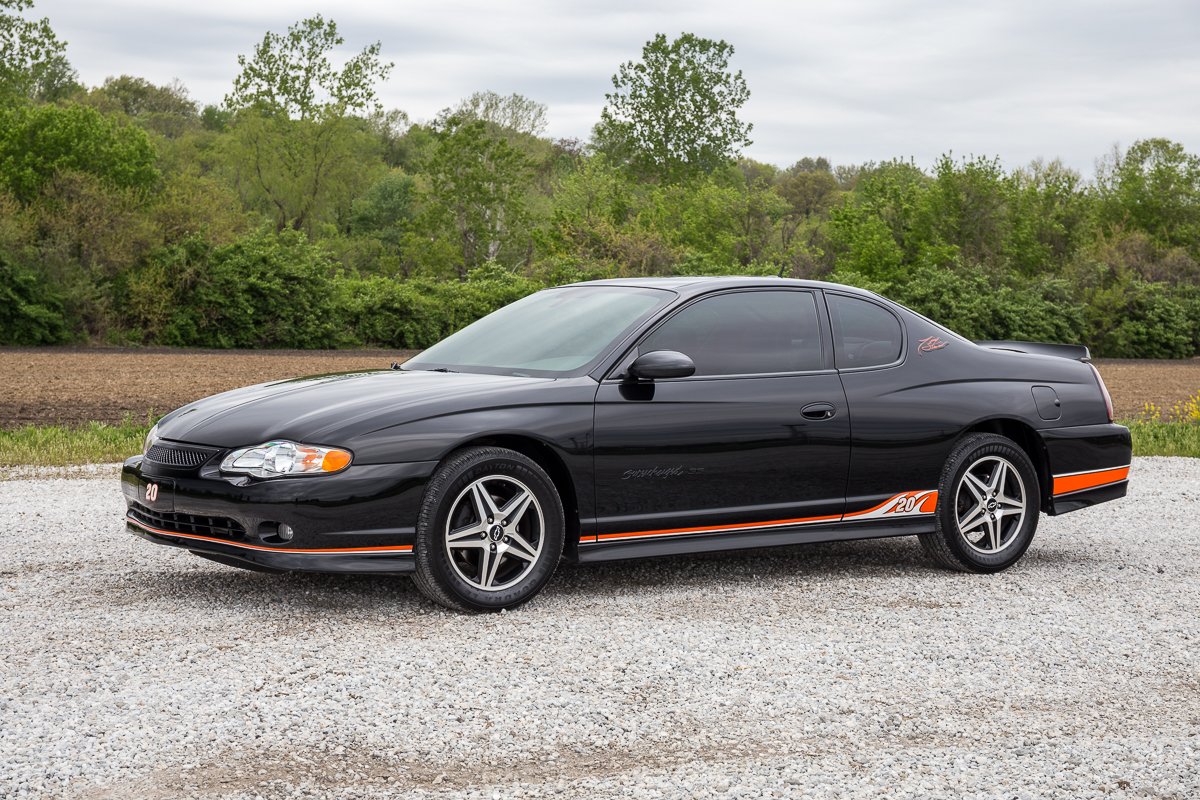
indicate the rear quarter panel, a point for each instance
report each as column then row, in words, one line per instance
column 905, row 419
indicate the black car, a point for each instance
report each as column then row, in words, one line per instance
column 627, row 418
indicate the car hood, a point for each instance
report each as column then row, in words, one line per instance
column 334, row 409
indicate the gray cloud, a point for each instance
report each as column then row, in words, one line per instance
column 854, row 81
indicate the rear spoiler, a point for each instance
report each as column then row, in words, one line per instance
column 1078, row 352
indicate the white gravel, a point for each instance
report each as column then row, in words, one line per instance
column 844, row 670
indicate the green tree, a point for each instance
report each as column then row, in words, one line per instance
column 36, row 142
column 515, row 112
column 674, row 114
column 164, row 109
column 808, row 193
column 32, row 59
column 31, row 313
column 477, row 194
column 1153, row 187
column 295, row 148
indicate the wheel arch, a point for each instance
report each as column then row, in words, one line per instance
column 549, row 460
column 1028, row 440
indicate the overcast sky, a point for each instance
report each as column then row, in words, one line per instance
column 852, row 81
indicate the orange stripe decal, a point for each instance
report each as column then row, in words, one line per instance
column 402, row 548
column 720, row 528
column 905, row 504
column 1065, row 484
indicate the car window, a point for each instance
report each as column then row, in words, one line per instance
column 546, row 334
column 864, row 334
column 744, row 333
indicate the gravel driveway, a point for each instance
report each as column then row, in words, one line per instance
column 843, row 670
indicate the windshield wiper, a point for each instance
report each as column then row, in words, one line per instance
column 403, row 368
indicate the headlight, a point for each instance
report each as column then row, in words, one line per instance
column 151, row 438
column 285, row 458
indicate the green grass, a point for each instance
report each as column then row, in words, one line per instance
column 1153, row 438
column 55, row 445
column 98, row 443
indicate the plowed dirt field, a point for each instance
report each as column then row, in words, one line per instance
column 45, row 386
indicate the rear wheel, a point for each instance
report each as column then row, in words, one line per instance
column 490, row 532
column 987, row 506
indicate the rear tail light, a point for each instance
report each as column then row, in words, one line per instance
column 1104, row 391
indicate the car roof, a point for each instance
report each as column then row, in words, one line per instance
column 695, row 284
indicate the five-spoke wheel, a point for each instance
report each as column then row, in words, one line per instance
column 494, row 532
column 490, row 532
column 988, row 505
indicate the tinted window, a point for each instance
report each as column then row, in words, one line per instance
column 864, row 334
column 550, row 333
column 744, row 333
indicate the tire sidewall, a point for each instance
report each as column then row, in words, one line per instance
column 446, row 487
column 947, row 521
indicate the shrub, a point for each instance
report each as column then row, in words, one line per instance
column 1135, row 319
column 416, row 314
column 31, row 313
column 264, row 290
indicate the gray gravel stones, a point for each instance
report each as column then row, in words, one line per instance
column 841, row 670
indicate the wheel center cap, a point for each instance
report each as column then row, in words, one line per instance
column 496, row 532
column 991, row 505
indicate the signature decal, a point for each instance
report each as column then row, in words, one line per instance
column 931, row 343
column 661, row 472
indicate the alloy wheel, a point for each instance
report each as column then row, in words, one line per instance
column 990, row 504
column 494, row 532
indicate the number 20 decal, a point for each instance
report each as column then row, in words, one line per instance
column 151, row 492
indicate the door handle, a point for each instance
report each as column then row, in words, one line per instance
column 818, row 411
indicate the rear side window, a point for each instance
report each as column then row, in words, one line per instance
column 864, row 334
column 745, row 333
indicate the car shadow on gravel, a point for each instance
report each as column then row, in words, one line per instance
column 205, row 584
column 899, row 557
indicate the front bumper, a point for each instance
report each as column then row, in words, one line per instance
column 361, row 520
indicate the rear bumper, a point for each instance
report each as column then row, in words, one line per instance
column 1089, row 464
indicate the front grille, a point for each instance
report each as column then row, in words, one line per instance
column 217, row 527
column 177, row 455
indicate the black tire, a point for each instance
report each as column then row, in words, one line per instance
column 457, row 574
column 996, row 538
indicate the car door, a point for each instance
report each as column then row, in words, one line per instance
column 759, row 436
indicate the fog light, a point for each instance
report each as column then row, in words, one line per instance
column 275, row 532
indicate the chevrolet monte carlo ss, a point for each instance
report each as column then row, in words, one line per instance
column 628, row 418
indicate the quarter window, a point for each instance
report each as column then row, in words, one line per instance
column 864, row 334
column 745, row 333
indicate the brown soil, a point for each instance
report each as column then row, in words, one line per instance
column 46, row 386
column 1133, row 383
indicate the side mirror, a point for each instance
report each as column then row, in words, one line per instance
column 662, row 364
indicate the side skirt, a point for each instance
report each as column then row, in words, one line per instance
column 778, row 537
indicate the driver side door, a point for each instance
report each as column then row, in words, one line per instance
column 757, row 439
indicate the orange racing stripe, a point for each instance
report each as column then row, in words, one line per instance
column 719, row 528
column 1064, row 484
column 921, row 503
column 402, row 548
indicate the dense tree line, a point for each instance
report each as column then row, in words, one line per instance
column 299, row 213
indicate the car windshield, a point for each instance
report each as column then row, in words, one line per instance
column 551, row 333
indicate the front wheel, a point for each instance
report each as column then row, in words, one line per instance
column 987, row 506
column 490, row 532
